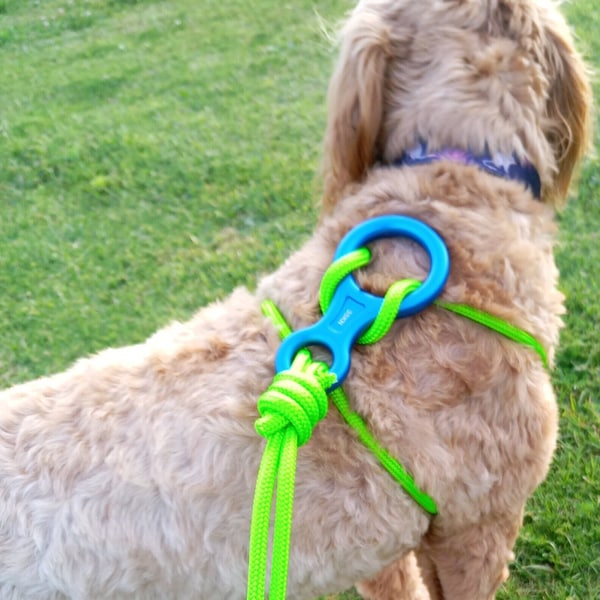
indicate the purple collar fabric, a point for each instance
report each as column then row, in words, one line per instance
column 501, row 165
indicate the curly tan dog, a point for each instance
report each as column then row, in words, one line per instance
column 131, row 475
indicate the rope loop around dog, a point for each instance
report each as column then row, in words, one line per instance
column 399, row 290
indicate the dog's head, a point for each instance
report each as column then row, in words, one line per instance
column 501, row 75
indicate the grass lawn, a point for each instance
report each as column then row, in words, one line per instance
column 154, row 154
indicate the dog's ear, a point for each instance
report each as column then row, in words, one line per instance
column 542, row 32
column 355, row 104
column 569, row 107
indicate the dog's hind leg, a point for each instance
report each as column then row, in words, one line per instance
column 429, row 575
column 399, row 581
column 472, row 563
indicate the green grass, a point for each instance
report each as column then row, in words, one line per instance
column 154, row 154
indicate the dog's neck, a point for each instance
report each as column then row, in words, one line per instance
column 500, row 165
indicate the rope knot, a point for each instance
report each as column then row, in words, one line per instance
column 297, row 397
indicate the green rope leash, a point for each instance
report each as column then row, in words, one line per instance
column 297, row 400
column 289, row 410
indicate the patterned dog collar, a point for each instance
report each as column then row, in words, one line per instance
column 500, row 165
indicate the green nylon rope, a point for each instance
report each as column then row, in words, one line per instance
column 391, row 301
column 360, row 258
column 391, row 465
column 291, row 407
column 498, row 325
column 355, row 421
column 294, row 403
column 297, row 400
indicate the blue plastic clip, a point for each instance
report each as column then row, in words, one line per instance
column 352, row 309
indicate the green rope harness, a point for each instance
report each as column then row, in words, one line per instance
column 498, row 325
column 361, row 257
column 297, row 400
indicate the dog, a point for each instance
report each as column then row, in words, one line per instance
column 131, row 474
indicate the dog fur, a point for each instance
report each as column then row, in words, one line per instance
column 131, row 475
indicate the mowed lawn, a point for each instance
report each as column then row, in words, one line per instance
column 156, row 154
